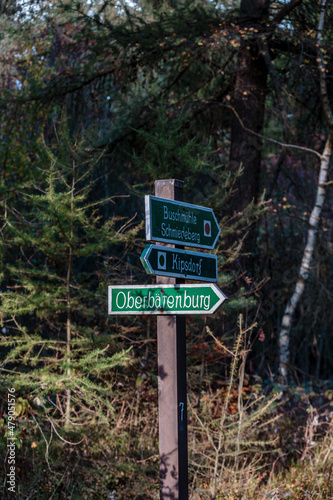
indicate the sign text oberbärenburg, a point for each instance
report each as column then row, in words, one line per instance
column 164, row 299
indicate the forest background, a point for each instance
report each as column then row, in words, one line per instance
column 98, row 99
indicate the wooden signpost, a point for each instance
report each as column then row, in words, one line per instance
column 172, row 222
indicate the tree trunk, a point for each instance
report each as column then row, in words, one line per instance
column 69, row 304
column 249, row 104
column 284, row 335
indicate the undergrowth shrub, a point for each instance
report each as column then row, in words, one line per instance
column 227, row 442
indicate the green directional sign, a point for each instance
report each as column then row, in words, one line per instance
column 164, row 299
column 180, row 223
column 177, row 263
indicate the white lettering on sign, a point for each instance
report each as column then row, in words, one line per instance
column 179, row 234
column 123, row 299
column 160, row 300
column 184, row 233
column 187, row 216
column 186, row 266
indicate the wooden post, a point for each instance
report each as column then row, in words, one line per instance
column 172, row 405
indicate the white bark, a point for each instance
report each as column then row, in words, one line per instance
column 303, row 274
column 284, row 334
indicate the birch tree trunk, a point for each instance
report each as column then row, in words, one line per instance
column 284, row 334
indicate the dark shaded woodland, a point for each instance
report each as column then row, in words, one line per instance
column 98, row 100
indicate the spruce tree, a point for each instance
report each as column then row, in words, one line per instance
column 55, row 251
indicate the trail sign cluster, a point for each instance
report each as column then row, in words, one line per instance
column 171, row 221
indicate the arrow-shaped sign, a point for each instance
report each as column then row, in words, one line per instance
column 177, row 263
column 164, row 299
column 180, row 223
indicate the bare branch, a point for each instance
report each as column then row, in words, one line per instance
column 285, row 11
column 269, row 139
